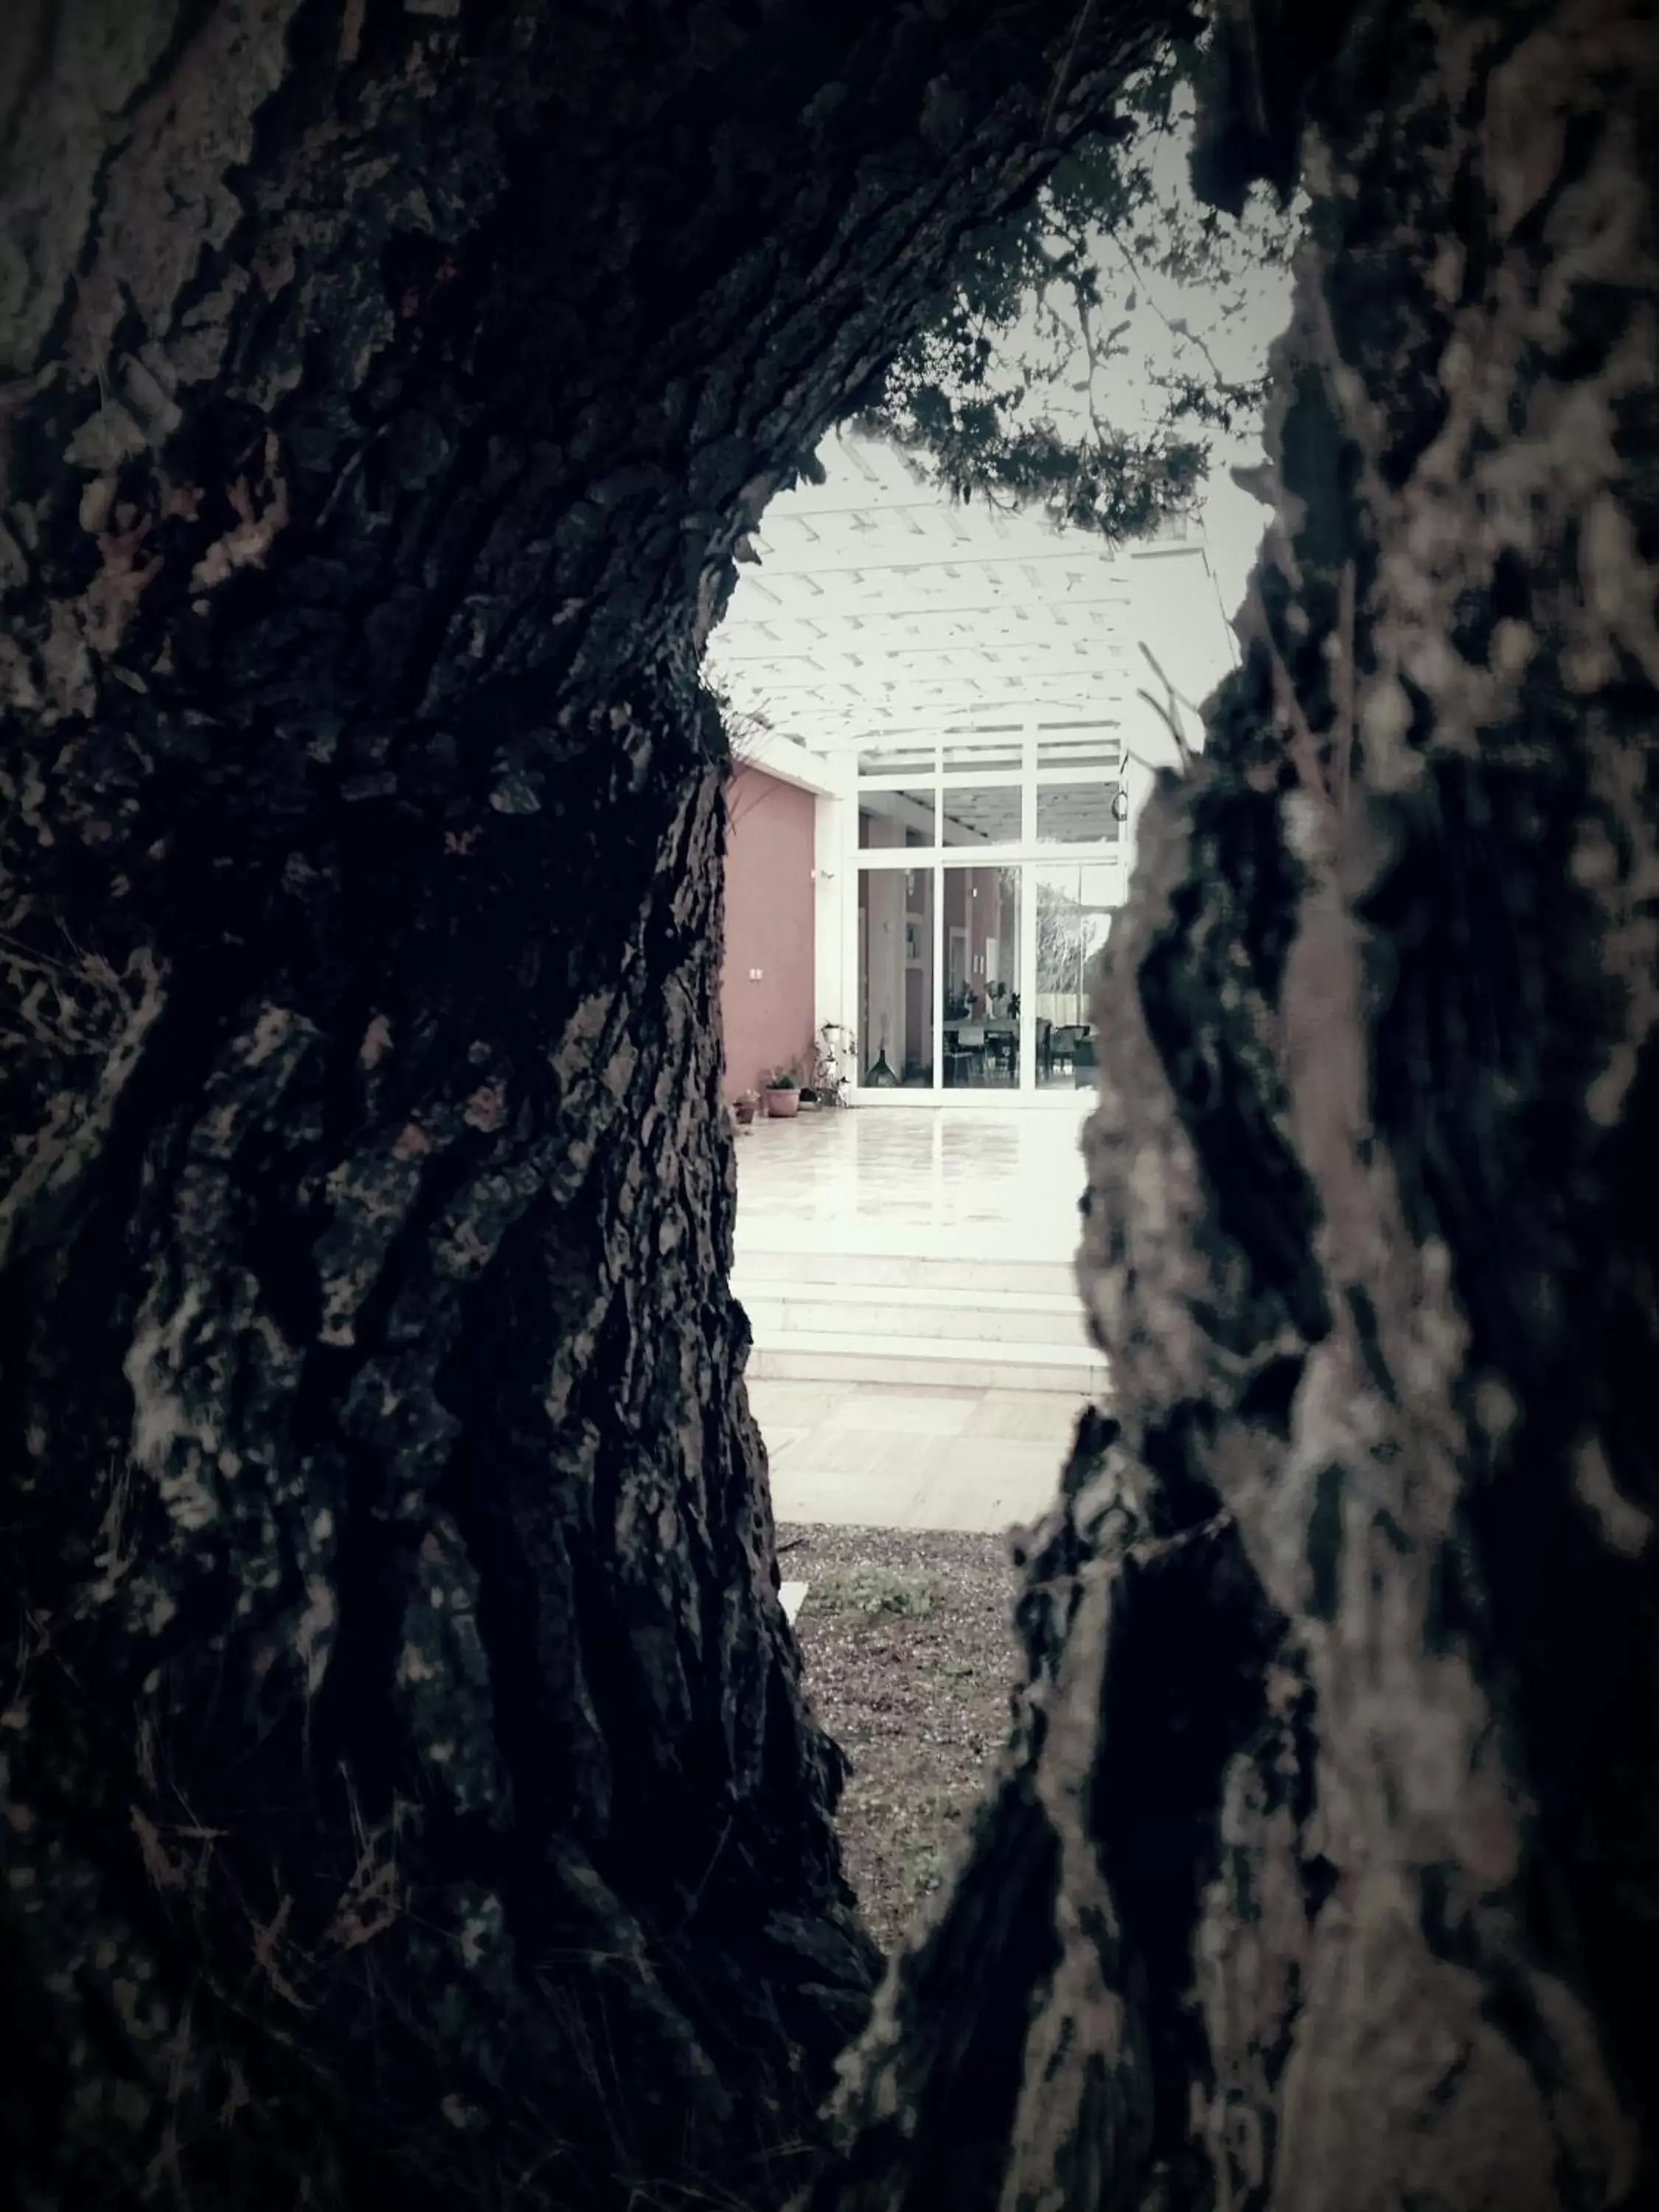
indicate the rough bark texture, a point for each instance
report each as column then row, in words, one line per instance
column 410, row 1795
column 1323, row 1870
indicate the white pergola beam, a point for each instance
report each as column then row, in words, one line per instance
column 994, row 589
column 954, row 737
column 831, row 559
column 922, row 701
column 940, row 710
column 763, row 643
column 846, row 735
column 799, row 671
column 851, row 735
column 823, row 729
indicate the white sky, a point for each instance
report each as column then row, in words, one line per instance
column 1231, row 519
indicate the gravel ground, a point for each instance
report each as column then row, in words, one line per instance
column 910, row 1661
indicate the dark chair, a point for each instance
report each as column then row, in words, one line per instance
column 1002, row 1048
column 1084, row 1066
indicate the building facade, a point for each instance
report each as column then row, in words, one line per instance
column 970, row 708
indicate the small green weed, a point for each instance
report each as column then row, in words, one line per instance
column 925, row 1869
column 871, row 1591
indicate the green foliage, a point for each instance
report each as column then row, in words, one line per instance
column 924, row 1869
column 872, row 1591
column 1006, row 391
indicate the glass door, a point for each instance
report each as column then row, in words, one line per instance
column 978, row 982
column 896, row 1031
column 1075, row 902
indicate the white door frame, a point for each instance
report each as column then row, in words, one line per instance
column 1027, row 858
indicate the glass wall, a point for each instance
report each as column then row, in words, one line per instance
column 1077, row 814
column 981, row 814
column 988, row 865
column 887, row 818
column 896, row 996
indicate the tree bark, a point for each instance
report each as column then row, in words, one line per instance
column 1322, row 1867
column 410, row 1794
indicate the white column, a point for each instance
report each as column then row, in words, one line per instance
column 1026, row 877
column 835, row 891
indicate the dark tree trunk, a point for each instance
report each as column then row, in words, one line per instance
column 410, row 1793
column 1322, row 1873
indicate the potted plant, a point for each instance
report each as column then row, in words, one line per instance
column 746, row 1105
column 782, row 1094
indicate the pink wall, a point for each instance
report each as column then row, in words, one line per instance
column 769, row 925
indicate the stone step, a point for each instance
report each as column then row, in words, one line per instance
column 982, row 1273
column 778, row 1311
column 933, row 1361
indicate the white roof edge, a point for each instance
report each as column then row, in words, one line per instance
column 789, row 763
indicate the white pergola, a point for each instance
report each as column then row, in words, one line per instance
column 878, row 612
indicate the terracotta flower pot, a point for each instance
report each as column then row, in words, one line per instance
column 744, row 1110
column 780, row 1105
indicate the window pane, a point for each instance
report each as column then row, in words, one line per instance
column 896, row 817
column 981, row 950
column 981, row 814
column 1074, row 909
column 1077, row 814
column 896, row 976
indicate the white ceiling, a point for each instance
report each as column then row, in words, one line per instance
column 879, row 611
